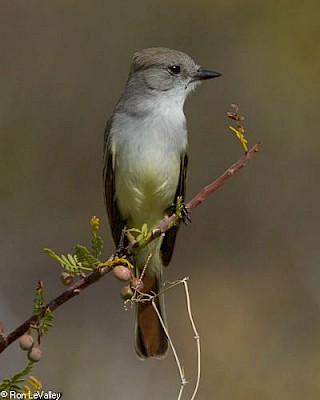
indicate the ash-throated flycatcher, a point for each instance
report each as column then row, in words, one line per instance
column 145, row 164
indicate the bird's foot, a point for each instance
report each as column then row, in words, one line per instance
column 122, row 248
column 182, row 209
column 185, row 214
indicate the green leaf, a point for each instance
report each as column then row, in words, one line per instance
column 51, row 253
column 45, row 322
column 85, row 257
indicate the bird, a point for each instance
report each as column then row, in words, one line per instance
column 144, row 170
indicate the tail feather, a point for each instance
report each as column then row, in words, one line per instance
column 151, row 340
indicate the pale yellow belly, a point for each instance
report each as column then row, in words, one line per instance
column 147, row 191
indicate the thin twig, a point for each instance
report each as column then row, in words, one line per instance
column 175, row 354
column 199, row 197
column 196, row 337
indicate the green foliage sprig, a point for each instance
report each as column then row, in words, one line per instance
column 83, row 260
column 44, row 320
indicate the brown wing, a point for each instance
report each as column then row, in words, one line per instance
column 170, row 236
column 115, row 220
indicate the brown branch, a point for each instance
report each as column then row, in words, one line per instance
column 94, row 276
column 68, row 294
column 202, row 195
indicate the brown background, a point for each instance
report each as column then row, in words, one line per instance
column 252, row 251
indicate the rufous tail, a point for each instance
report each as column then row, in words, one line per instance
column 151, row 340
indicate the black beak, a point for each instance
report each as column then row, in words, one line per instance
column 203, row 73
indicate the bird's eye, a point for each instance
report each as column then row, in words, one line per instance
column 174, row 69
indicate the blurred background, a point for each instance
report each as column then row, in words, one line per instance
column 251, row 252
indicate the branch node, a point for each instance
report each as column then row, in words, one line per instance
column 257, row 147
column 156, row 231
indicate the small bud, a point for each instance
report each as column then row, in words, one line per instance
column 26, row 342
column 232, row 115
column 66, row 278
column 122, row 273
column 136, row 283
column 126, row 293
column 34, row 354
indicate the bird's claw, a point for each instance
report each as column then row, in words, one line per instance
column 185, row 215
column 121, row 249
column 184, row 212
